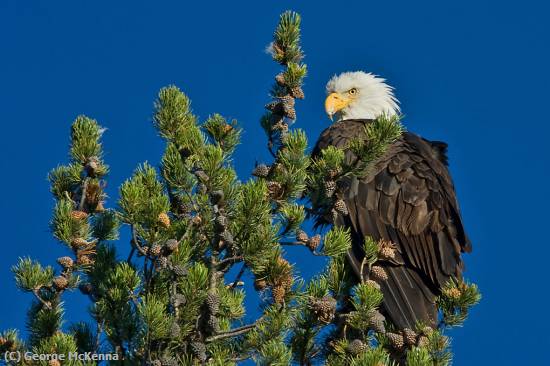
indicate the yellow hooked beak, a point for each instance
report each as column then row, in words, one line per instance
column 336, row 102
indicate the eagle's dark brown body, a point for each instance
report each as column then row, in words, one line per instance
column 407, row 198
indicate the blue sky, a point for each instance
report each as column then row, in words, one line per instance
column 471, row 73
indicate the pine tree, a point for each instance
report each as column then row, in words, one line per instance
column 191, row 221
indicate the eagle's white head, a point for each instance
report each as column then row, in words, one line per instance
column 359, row 95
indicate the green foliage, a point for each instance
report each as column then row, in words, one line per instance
column 142, row 197
column 65, row 179
column 30, row 275
column 155, row 319
column 377, row 137
column 287, row 39
column 176, row 298
column 85, row 135
column 371, row 250
column 456, row 298
column 337, row 241
column 105, row 225
column 64, row 226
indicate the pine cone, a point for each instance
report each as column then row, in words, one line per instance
column 179, row 270
column 356, row 347
column 278, row 293
column 324, row 308
column 396, row 340
column 217, row 197
column 260, row 284
column 178, row 300
column 387, row 253
column 172, row 245
column 99, row 207
column 228, row 238
column 410, row 336
column 379, row 273
column 155, row 250
column 201, row 175
column 161, row 262
column 340, row 207
column 164, row 220
column 301, row 236
column 169, row 361
column 297, row 92
column 86, row 288
column 78, row 215
column 196, row 220
column 175, row 330
column 65, row 262
column 313, row 242
column 60, row 283
column 213, row 324
column 373, row 284
column 286, row 282
column 84, row 260
column 54, row 362
column 213, row 302
column 199, row 350
column 422, row 341
column 274, row 189
column 78, row 243
column 155, row 363
column 452, row 293
column 330, row 188
column 92, row 166
column 280, row 79
column 261, row 170
column 376, row 322
column 221, row 221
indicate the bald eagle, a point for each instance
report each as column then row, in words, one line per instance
column 407, row 198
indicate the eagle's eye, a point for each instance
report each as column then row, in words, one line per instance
column 352, row 91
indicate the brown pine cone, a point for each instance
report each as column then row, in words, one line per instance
column 452, row 293
column 410, row 336
column 340, row 207
column 78, row 243
column 330, row 187
column 396, row 340
column 376, row 322
column 379, row 273
column 301, row 236
column 78, row 215
column 212, row 302
column 199, row 350
column 280, row 79
column 261, row 170
column 172, row 245
column 313, row 242
column 373, row 284
column 161, row 262
column 274, row 189
column 60, row 283
column 356, row 347
column 54, row 362
column 278, row 293
column 324, row 308
column 65, row 262
column 86, row 288
column 196, row 220
column 260, row 284
column 422, row 341
column 84, row 260
column 297, row 92
column 155, row 250
column 164, row 220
